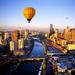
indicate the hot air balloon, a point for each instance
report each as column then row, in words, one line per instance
column 29, row 13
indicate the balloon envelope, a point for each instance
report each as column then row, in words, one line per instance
column 29, row 13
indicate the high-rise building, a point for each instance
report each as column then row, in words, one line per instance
column 72, row 34
column 66, row 33
column 6, row 35
column 20, row 43
column 57, row 32
column 12, row 46
column 0, row 37
column 69, row 34
column 15, row 35
column 26, row 33
column 51, row 29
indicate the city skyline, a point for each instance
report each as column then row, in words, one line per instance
column 57, row 12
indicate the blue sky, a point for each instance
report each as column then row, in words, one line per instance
column 47, row 12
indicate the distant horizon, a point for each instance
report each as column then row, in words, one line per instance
column 47, row 29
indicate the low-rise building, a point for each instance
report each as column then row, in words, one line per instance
column 34, row 33
column 19, row 52
column 47, row 34
column 71, row 46
column 62, row 42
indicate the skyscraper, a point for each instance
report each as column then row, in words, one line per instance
column 15, row 35
column 26, row 33
column 66, row 33
column 51, row 29
column 72, row 34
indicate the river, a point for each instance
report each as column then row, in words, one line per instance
column 25, row 68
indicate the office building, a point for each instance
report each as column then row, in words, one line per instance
column 72, row 31
column 15, row 36
column 26, row 33
column 51, row 29
column 6, row 35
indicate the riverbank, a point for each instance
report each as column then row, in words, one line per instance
column 49, row 43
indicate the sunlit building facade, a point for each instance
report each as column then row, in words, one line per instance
column 12, row 46
column 62, row 42
column 71, row 46
column 0, row 39
column 26, row 33
column 66, row 33
column 6, row 35
column 47, row 34
column 72, row 34
column 15, row 35
column 20, row 43
column 34, row 33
